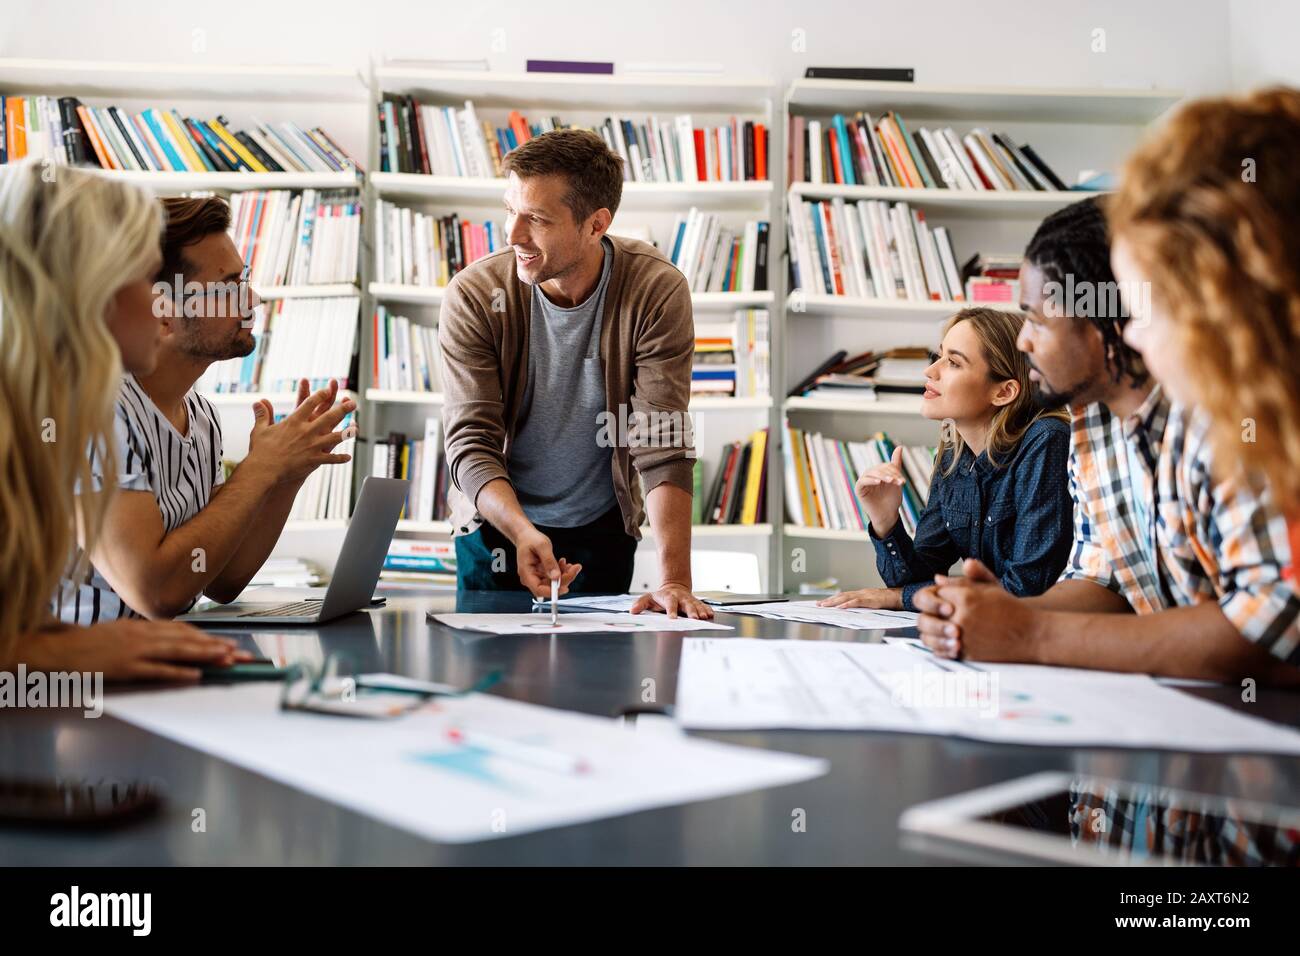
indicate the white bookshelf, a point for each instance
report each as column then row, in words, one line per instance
column 1083, row 128
column 433, row 295
column 586, row 100
column 323, row 291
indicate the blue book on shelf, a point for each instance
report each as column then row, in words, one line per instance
column 677, row 241
column 846, row 155
column 824, row 256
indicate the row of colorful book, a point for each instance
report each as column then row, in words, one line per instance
column 436, row 140
column 297, row 238
column 293, row 339
column 733, row 359
column 405, row 356
column 871, row 250
column 738, row 488
column 67, row 131
column 859, row 151
column 421, row 462
column 412, row 248
column 716, row 257
column 821, row 472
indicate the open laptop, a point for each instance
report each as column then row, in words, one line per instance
column 355, row 575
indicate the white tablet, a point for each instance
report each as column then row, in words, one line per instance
column 1092, row 821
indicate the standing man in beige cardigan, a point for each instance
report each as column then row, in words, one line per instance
column 566, row 364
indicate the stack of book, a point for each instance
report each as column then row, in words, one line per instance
column 297, row 239
column 416, row 562
column 718, row 258
column 421, row 462
column 66, row 131
column 821, row 472
column 738, row 493
column 406, row 356
column 871, row 250
column 863, row 377
column 414, row 249
column 859, row 151
column 327, row 493
column 450, row 141
column 287, row 573
column 732, row 359
column 993, row 279
column 313, row 339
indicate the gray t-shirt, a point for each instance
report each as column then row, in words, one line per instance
column 562, row 476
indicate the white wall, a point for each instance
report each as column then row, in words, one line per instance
column 1155, row 42
column 1264, row 42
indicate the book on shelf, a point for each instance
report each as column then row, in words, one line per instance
column 871, row 250
column 993, row 279
column 821, row 472
column 440, row 140
column 738, row 490
column 860, row 150
column 327, row 492
column 293, row 339
column 733, row 359
column 716, row 257
column 421, row 462
column 898, row 371
column 405, row 354
column 412, row 248
column 69, row 132
column 287, row 573
column 415, row 562
column 297, row 238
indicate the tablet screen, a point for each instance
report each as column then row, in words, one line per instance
column 1128, row 823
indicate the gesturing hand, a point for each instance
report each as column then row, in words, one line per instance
column 880, row 489
column 290, row 450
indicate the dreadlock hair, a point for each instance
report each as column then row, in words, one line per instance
column 1074, row 242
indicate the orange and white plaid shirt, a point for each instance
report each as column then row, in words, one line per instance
column 1154, row 525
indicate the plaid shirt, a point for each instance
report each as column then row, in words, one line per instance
column 1201, row 539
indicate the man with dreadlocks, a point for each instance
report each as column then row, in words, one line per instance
column 1175, row 569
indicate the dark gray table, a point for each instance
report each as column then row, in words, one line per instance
column 851, row 813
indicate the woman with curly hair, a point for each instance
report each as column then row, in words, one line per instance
column 1209, row 215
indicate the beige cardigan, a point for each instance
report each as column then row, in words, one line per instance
column 647, row 343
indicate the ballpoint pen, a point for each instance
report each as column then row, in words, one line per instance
column 555, row 596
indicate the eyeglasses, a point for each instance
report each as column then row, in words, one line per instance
column 237, row 293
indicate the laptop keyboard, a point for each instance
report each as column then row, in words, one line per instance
column 296, row 609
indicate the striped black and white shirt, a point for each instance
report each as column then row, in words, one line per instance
column 182, row 471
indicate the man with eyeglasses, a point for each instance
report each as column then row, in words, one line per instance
column 178, row 529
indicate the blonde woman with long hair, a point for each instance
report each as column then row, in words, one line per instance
column 78, row 252
column 1207, row 228
column 999, row 493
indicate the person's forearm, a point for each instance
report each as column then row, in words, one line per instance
column 499, row 505
column 1074, row 594
column 257, row 544
column 189, row 558
column 669, row 508
column 1198, row 642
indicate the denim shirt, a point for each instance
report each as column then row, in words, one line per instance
column 1017, row 518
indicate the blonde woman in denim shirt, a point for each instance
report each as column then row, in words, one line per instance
column 1000, row 491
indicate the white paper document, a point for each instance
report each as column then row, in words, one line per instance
column 462, row 769
column 599, row 602
column 597, row 622
column 854, row 618
column 749, row 684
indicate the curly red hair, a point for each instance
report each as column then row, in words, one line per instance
column 1210, row 206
